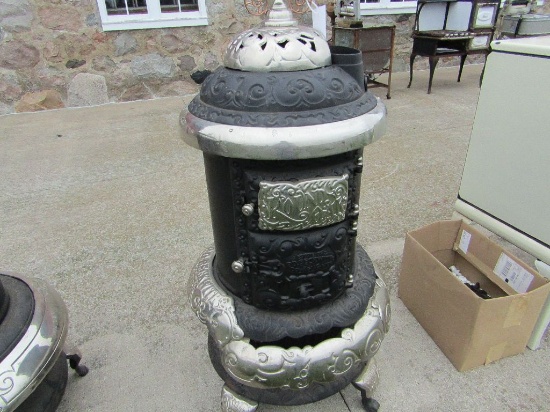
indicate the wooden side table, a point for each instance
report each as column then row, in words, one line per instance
column 376, row 44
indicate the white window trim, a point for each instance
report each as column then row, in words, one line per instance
column 154, row 19
column 388, row 7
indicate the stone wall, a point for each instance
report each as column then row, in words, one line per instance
column 53, row 53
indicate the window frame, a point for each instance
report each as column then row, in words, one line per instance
column 388, row 7
column 153, row 19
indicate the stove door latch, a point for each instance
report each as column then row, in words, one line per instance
column 238, row 265
column 248, row 209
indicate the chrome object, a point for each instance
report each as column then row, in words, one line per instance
column 368, row 380
column 281, row 45
column 267, row 49
column 248, row 209
column 211, row 304
column 31, row 359
column 302, row 205
column 268, row 366
column 233, row 402
column 284, row 143
column 238, row 265
column 280, row 15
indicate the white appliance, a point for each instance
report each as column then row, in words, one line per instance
column 506, row 180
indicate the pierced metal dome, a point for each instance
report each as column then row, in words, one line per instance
column 281, row 45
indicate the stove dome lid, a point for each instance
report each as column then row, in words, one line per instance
column 279, row 45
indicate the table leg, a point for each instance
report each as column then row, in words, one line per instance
column 462, row 60
column 433, row 63
column 413, row 56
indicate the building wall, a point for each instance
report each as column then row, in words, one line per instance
column 53, row 53
column 45, row 44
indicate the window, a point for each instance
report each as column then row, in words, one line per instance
column 373, row 7
column 148, row 14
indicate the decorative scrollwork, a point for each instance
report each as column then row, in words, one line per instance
column 256, row 7
column 298, row 6
column 302, row 205
column 297, row 368
column 293, row 368
column 298, row 98
column 7, row 383
column 211, row 305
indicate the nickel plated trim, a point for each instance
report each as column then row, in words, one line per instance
column 34, row 355
column 211, row 304
column 276, row 367
column 302, row 205
column 284, row 143
column 279, row 45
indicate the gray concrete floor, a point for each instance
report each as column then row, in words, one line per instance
column 110, row 206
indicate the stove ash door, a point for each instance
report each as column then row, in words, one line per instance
column 295, row 224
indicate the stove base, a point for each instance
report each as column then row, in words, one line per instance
column 239, row 398
column 276, row 374
column 314, row 392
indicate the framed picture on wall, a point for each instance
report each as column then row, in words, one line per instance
column 484, row 15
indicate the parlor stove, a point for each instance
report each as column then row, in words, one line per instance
column 33, row 355
column 294, row 309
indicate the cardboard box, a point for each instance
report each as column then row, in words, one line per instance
column 470, row 331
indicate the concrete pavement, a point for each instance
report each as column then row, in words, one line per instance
column 109, row 205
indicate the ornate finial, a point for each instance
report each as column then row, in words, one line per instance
column 280, row 16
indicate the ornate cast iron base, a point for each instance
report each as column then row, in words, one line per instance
column 366, row 382
column 288, row 374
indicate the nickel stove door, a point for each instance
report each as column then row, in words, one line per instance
column 298, row 228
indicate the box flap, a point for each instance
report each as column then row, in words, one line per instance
column 437, row 236
column 509, row 273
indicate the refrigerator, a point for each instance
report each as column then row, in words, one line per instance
column 505, row 184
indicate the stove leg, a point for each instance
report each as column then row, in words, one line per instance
column 74, row 357
column 367, row 382
column 233, row 402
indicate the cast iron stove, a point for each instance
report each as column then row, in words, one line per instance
column 33, row 360
column 294, row 308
